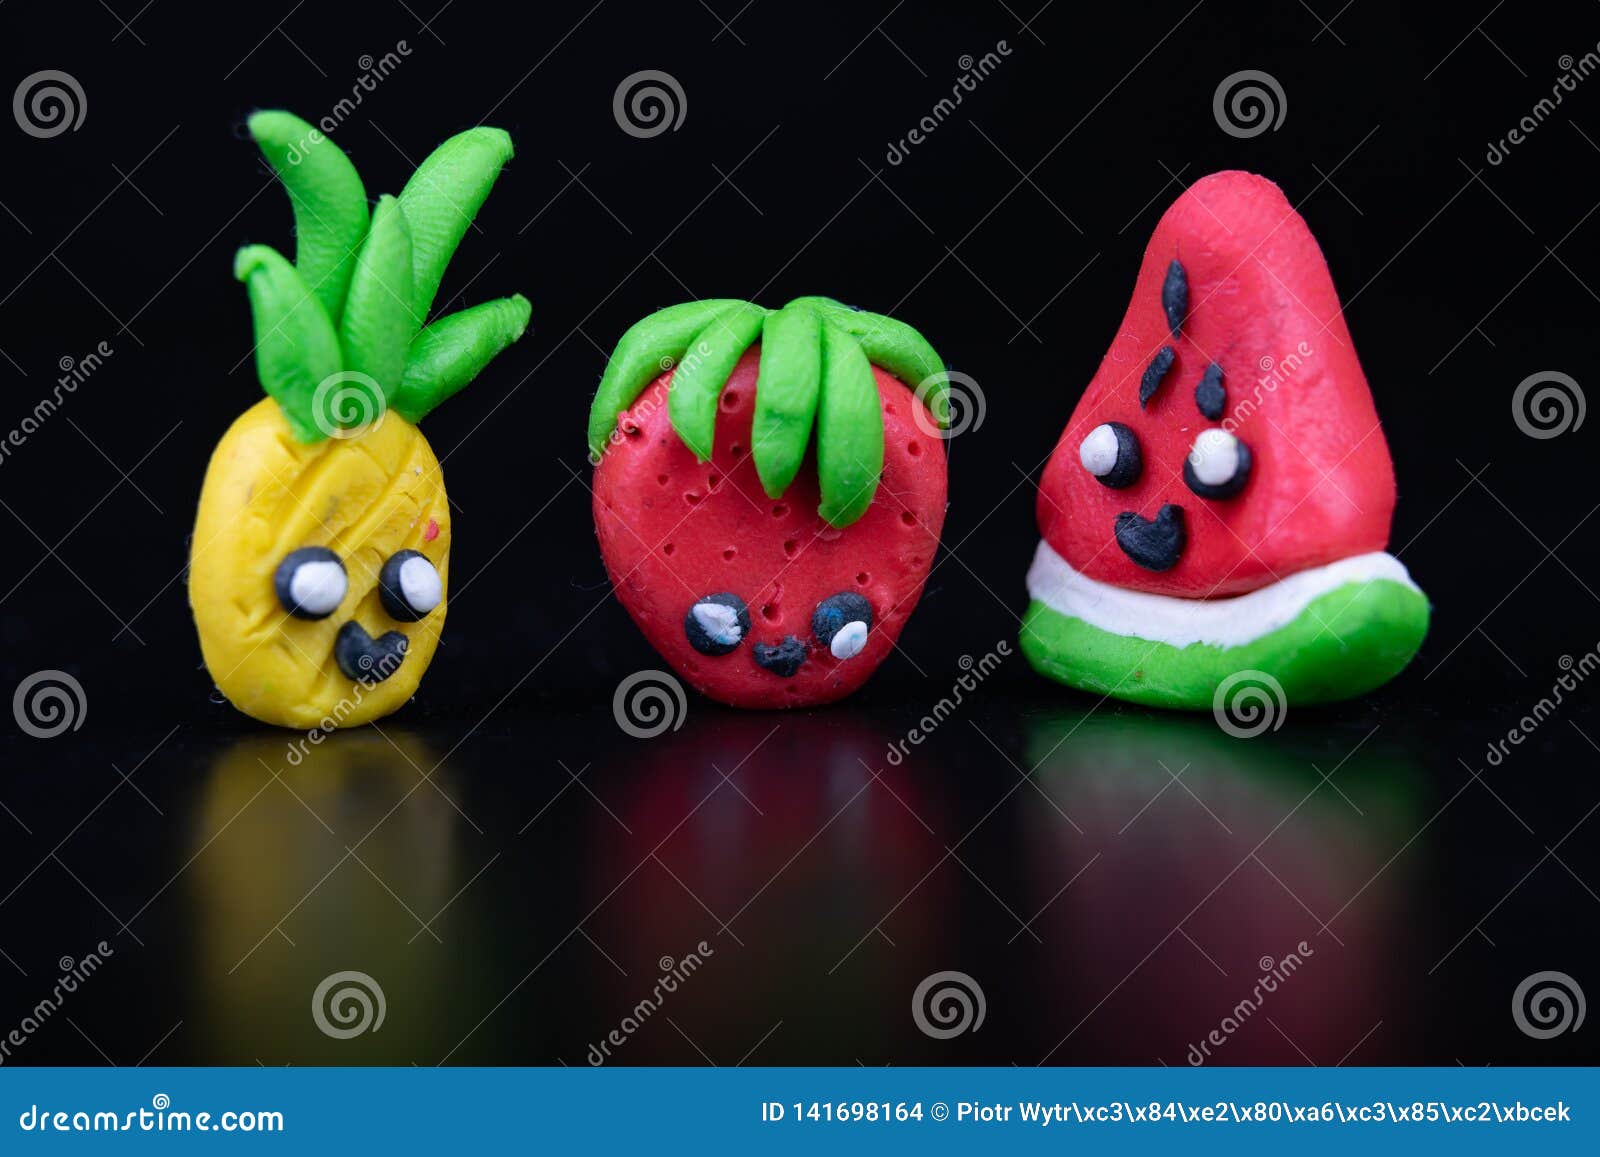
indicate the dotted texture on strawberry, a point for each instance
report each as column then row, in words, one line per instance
column 759, row 584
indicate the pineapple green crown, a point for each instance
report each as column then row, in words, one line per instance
column 349, row 312
column 817, row 356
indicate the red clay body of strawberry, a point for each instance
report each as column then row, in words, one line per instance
column 674, row 530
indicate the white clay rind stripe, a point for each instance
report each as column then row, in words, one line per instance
column 1229, row 622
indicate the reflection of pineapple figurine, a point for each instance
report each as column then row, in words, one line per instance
column 321, row 549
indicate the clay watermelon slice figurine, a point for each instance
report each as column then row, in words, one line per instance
column 1220, row 500
column 769, row 491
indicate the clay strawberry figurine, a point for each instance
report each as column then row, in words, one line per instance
column 1220, row 500
column 769, row 490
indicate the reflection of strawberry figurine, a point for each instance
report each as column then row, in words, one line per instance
column 770, row 568
column 1220, row 500
column 319, row 573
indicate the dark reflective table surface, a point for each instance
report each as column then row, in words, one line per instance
column 1115, row 882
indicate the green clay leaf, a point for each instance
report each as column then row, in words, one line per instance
column 651, row 346
column 441, row 199
column 896, row 347
column 330, row 203
column 378, row 324
column 702, row 372
column 786, row 395
column 297, row 349
column 454, row 350
column 849, row 430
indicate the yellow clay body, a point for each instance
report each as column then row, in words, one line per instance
column 363, row 497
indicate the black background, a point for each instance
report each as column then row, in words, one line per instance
column 229, row 882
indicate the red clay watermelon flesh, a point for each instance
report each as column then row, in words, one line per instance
column 1216, row 511
column 1260, row 306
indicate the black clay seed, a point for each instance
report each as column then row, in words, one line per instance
column 1241, row 475
column 1175, row 297
column 365, row 659
column 834, row 612
column 1153, row 543
column 701, row 639
column 784, row 659
column 1209, row 394
column 1159, row 365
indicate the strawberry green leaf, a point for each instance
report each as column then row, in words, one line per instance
column 651, row 346
column 330, row 203
column 296, row 346
column 378, row 324
column 787, row 386
column 897, row 347
column 849, row 429
column 699, row 377
column 441, row 199
column 454, row 350
column 815, row 374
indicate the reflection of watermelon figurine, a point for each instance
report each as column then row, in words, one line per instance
column 769, row 491
column 1220, row 500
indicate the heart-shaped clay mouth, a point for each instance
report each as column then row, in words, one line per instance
column 365, row 659
column 1154, row 543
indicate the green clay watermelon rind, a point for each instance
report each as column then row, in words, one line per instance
column 1377, row 627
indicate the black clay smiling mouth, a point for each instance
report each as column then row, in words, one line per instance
column 365, row 659
column 783, row 659
column 1153, row 543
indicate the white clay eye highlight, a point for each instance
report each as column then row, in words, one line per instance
column 1218, row 465
column 848, row 640
column 409, row 586
column 1111, row 453
column 717, row 624
column 841, row 623
column 310, row 582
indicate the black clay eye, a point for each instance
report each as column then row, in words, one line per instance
column 310, row 582
column 1218, row 466
column 841, row 622
column 1111, row 453
column 717, row 624
column 409, row 586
